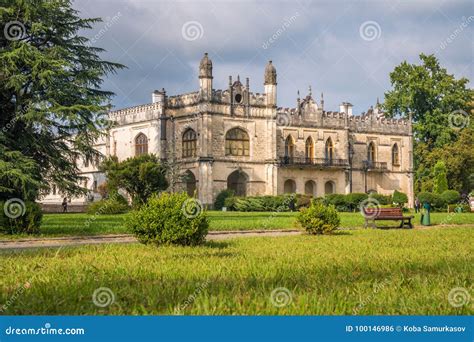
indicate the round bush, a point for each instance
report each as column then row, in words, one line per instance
column 18, row 217
column 319, row 219
column 169, row 219
column 450, row 196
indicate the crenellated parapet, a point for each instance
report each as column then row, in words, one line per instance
column 369, row 123
column 183, row 100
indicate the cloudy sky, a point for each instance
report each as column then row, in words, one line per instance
column 345, row 49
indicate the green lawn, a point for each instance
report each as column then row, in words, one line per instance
column 83, row 224
column 360, row 271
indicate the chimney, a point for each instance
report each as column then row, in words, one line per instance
column 346, row 107
column 158, row 96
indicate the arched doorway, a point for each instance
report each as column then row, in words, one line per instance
column 310, row 188
column 289, row 187
column 190, row 181
column 237, row 181
column 329, row 187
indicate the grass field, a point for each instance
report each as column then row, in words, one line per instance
column 83, row 224
column 360, row 271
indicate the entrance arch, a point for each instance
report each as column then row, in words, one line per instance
column 237, row 181
column 190, row 181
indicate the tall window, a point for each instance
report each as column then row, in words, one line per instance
column 289, row 147
column 189, row 143
column 395, row 155
column 329, row 150
column 141, row 144
column 309, row 149
column 371, row 152
column 237, row 143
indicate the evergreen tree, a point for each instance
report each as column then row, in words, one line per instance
column 440, row 179
column 51, row 102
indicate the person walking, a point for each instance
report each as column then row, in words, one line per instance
column 64, row 204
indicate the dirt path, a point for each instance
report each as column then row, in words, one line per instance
column 125, row 238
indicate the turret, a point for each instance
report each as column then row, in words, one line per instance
column 270, row 85
column 205, row 78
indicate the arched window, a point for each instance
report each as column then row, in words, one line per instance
column 329, row 150
column 289, row 187
column 309, row 149
column 310, row 188
column 141, row 144
column 395, row 155
column 237, row 181
column 371, row 152
column 189, row 143
column 289, row 147
column 237, row 143
column 329, row 187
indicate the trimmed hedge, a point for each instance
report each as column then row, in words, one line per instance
column 287, row 202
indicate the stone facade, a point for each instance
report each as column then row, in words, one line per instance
column 235, row 138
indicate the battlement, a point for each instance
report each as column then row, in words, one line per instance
column 183, row 100
column 134, row 110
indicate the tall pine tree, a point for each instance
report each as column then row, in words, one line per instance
column 51, row 102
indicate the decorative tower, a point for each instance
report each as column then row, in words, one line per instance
column 205, row 78
column 270, row 85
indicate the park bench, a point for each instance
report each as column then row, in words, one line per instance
column 386, row 214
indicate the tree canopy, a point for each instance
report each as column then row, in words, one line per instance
column 51, row 100
column 443, row 121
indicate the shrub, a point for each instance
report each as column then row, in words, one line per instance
column 24, row 217
column 303, row 201
column 338, row 200
column 319, row 219
column 382, row 199
column 465, row 208
column 221, row 197
column 399, row 198
column 229, row 203
column 108, row 206
column 169, row 219
column 450, row 196
column 354, row 200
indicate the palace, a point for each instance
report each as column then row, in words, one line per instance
column 238, row 139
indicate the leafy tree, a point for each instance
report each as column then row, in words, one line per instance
column 50, row 97
column 440, row 178
column 441, row 109
column 140, row 176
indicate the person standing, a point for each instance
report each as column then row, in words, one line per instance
column 417, row 205
column 64, row 204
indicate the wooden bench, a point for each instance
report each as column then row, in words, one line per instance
column 386, row 214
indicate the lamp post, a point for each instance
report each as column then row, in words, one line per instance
column 351, row 155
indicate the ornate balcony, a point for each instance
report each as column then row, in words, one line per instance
column 313, row 162
column 370, row 165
